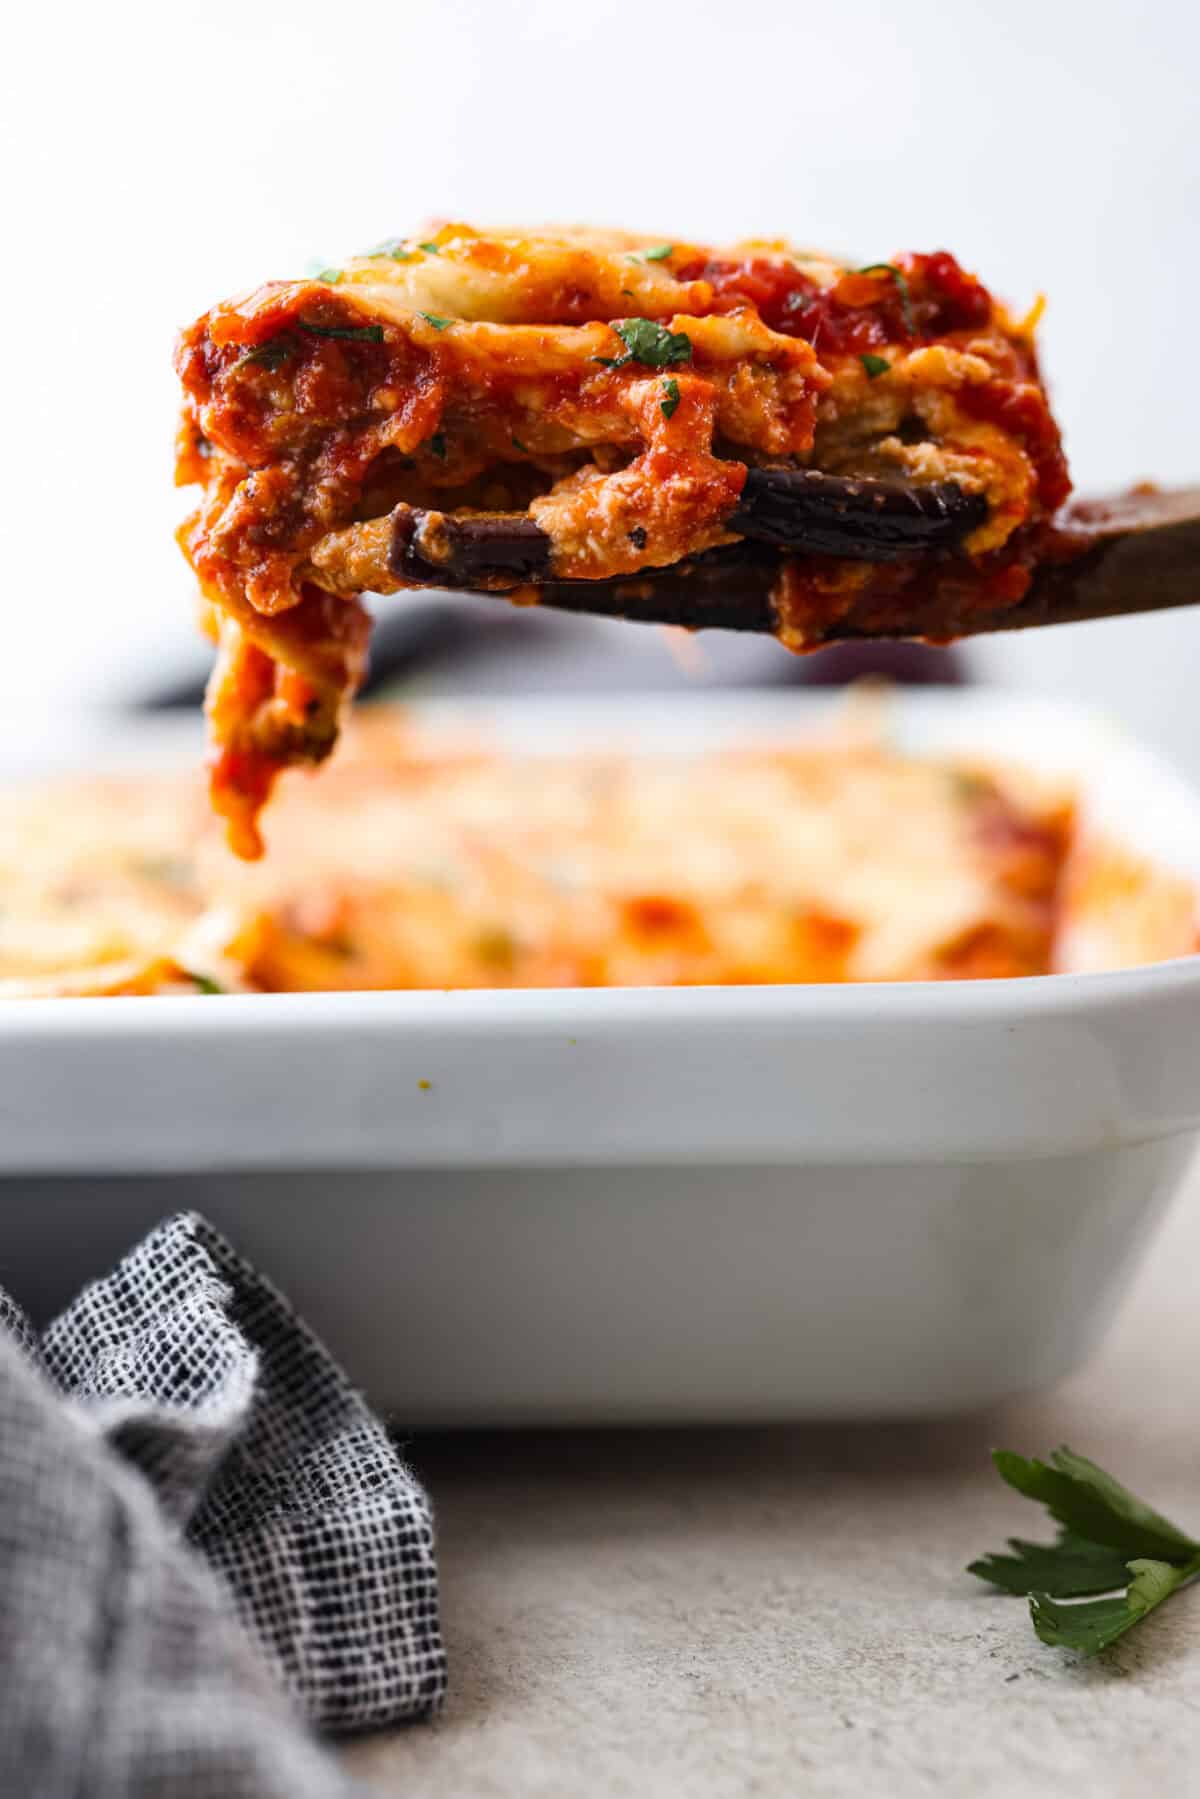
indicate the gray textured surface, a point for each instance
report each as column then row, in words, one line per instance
column 774, row 1612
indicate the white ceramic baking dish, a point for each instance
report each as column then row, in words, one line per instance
column 658, row 1204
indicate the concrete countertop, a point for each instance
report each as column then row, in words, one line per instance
column 718, row 1613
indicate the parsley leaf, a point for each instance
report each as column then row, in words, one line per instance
column 518, row 445
column 363, row 334
column 1094, row 1625
column 393, row 247
column 1068, row 1568
column 650, row 344
column 431, row 247
column 903, row 290
column 331, row 277
column 204, row 983
column 431, row 318
column 671, row 396
column 437, row 444
column 653, row 344
column 658, row 254
column 1091, row 1503
column 1109, row 1539
column 272, row 354
column 874, row 365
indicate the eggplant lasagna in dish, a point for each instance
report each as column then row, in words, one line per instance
column 425, row 862
column 545, row 413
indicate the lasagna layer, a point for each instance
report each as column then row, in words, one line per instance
column 419, row 863
column 594, row 406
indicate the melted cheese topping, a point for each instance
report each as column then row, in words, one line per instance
column 417, row 864
column 552, row 275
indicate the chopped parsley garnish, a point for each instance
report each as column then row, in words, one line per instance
column 670, row 396
column 874, row 365
column 658, row 254
column 393, row 247
column 653, row 344
column 648, row 343
column 331, row 277
column 1109, row 1543
column 272, row 354
column 431, row 318
column 437, row 444
column 203, row 983
column 362, row 334
column 902, row 290
column 431, row 247
column 518, row 445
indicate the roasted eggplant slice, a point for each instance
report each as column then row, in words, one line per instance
column 813, row 514
column 798, row 510
column 1139, row 552
column 479, row 549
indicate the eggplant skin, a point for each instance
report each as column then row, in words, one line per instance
column 814, row 514
column 482, row 550
column 801, row 511
column 728, row 589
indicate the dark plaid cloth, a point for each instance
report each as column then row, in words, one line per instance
column 178, row 1406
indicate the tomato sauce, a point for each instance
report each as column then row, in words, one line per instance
column 1020, row 409
column 913, row 300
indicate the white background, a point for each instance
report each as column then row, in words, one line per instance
column 158, row 157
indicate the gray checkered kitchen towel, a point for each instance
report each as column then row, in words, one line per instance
column 207, row 1542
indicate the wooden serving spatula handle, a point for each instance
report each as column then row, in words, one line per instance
column 1136, row 552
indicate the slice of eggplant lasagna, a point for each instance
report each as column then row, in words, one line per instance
column 521, row 413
